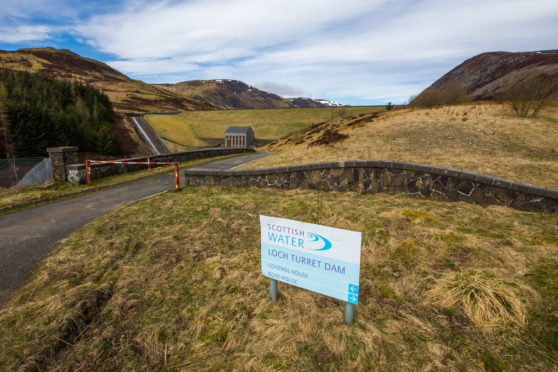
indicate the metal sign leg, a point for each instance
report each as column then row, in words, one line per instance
column 349, row 313
column 273, row 289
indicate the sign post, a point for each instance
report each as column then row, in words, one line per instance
column 321, row 259
column 273, row 289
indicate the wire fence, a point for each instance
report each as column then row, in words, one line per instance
column 13, row 170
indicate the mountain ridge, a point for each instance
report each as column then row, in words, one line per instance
column 486, row 75
column 130, row 95
column 235, row 94
column 126, row 94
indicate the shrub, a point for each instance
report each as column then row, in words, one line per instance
column 530, row 96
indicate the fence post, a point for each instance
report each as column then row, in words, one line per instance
column 88, row 171
column 176, row 179
column 148, row 164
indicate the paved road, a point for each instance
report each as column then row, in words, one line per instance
column 30, row 235
column 148, row 135
column 233, row 162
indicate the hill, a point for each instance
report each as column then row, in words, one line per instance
column 483, row 138
column 305, row 102
column 191, row 129
column 126, row 95
column 234, row 94
column 488, row 75
column 40, row 112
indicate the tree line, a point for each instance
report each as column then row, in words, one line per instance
column 37, row 112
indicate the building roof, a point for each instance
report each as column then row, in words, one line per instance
column 238, row 130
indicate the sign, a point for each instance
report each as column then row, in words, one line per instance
column 318, row 258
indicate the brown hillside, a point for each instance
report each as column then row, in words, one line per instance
column 486, row 75
column 234, row 94
column 125, row 94
column 484, row 138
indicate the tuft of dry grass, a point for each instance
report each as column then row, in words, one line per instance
column 174, row 282
column 485, row 297
column 481, row 137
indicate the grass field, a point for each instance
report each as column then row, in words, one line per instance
column 173, row 128
column 482, row 138
column 187, row 127
column 174, row 283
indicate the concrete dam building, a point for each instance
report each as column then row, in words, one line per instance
column 239, row 136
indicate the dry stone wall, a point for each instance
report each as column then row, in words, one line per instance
column 76, row 172
column 388, row 177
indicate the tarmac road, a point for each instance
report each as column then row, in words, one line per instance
column 28, row 236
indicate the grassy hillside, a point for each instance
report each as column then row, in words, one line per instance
column 173, row 282
column 125, row 94
column 187, row 128
column 176, row 133
column 482, row 138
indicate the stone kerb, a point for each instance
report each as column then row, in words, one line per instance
column 76, row 172
column 375, row 176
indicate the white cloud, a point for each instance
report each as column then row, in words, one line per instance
column 146, row 67
column 285, row 90
column 23, row 33
column 375, row 49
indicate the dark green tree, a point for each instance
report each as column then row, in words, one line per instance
column 41, row 112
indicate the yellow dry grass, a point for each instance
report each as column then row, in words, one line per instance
column 486, row 298
column 481, row 138
column 178, row 134
column 174, row 282
column 188, row 127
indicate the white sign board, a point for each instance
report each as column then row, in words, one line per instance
column 314, row 257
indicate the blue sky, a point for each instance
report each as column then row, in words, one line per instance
column 352, row 51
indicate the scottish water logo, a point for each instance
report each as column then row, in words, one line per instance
column 322, row 243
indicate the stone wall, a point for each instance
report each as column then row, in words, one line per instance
column 388, row 177
column 76, row 172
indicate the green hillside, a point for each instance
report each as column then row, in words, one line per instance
column 40, row 112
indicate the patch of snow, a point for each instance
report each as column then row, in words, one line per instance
column 329, row 103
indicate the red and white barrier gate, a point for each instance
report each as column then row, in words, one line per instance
column 89, row 162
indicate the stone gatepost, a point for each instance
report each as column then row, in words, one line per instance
column 60, row 157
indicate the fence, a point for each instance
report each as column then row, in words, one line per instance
column 13, row 170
